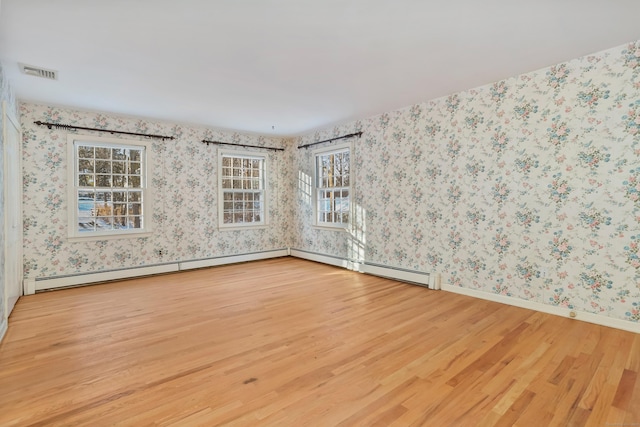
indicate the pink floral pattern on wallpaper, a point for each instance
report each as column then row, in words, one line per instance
column 529, row 187
column 184, row 183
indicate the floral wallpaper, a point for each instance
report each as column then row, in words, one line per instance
column 183, row 178
column 528, row 187
column 6, row 95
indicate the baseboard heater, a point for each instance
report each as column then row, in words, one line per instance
column 50, row 283
column 429, row 280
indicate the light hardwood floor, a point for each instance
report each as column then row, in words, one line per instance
column 288, row 342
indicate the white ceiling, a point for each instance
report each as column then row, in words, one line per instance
column 296, row 65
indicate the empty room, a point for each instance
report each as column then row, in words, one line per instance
column 295, row 213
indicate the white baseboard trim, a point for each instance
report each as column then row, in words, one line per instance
column 232, row 259
column 597, row 319
column 325, row 259
column 29, row 286
column 49, row 283
column 403, row 275
column 3, row 328
column 431, row 281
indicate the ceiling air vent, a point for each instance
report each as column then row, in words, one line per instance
column 31, row 70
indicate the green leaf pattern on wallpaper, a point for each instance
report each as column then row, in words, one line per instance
column 528, row 187
column 183, row 178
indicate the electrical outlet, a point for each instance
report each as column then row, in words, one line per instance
column 159, row 252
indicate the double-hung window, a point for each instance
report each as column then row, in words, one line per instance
column 242, row 184
column 333, row 187
column 108, row 189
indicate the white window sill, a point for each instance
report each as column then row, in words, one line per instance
column 236, row 227
column 108, row 236
column 341, row 227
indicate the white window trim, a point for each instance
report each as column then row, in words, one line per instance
column 334, row 148
column 239, row 226
column 73, row 235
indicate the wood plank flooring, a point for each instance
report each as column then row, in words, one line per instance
column 288, row 342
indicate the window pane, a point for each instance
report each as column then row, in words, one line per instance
column 135, row 222
column 344, row 200
column 120, row 209
column 103, row 153
column 104, row 223
column 134, row 209
column 104, row 209
column 85, row 152
column 86, row 224
column 85, row 166
column 119, row 153
column 119, row 181
column 135, row 168
column 103, row 180
column 85, row 181
column 135, row 155
column 119, row 196
column 103, row 166
column 135, row 196
column 86, row 204
column 237, row 183
column 228, row 218
column 135, row 182
column 118, row 167
column 103, row 196
column 120, row 222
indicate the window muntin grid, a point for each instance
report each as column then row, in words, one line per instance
column 109, row 183
column 243, row 190
column 333, row 188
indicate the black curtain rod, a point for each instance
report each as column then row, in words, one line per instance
column 58, row 125
column 358, row 134
column 241, row 145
